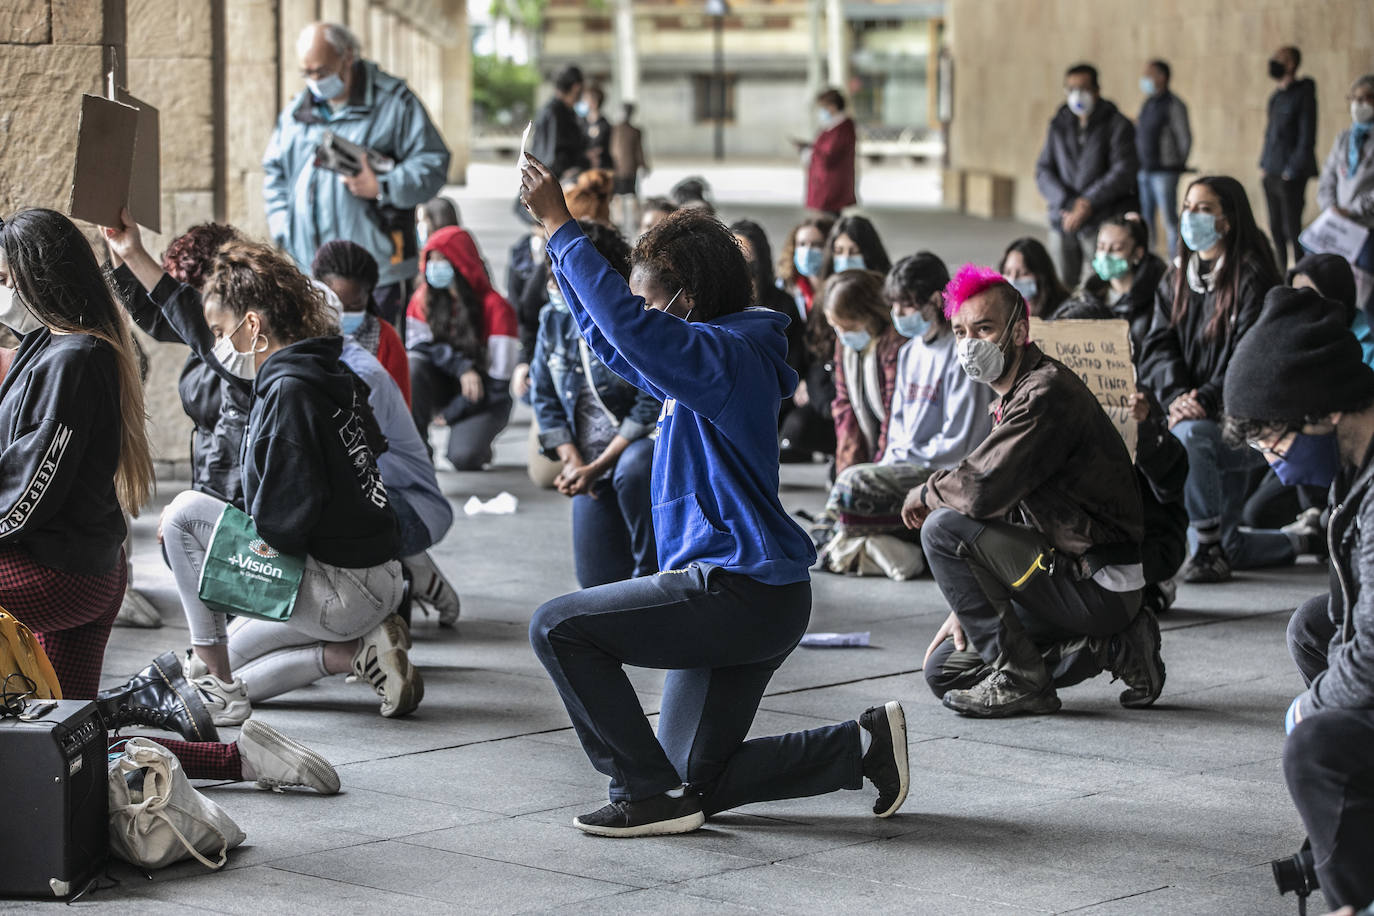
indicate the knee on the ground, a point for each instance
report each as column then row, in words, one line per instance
column 469, row 457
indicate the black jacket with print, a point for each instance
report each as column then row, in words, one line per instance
column 59, row 448
column 310, row 475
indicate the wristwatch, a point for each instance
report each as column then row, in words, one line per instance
column 381, row 190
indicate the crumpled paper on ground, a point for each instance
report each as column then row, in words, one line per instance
column 502, row 503
column 836, row 640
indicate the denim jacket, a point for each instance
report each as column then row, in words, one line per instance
column 557, row 373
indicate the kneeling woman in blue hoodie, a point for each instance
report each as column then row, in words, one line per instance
column 313, row 488
column 736, row 598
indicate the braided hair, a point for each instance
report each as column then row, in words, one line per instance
column 347, row 260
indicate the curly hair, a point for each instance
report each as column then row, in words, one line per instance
column 187, row 259
column 590, row 198
column 610, row 243
column 251, row 276
column 692, row 250
column 346, row 260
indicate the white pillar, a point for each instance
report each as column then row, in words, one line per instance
column 814, row 63
column 626, row 52
column 838, row 35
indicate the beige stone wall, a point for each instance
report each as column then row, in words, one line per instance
column 1010, row 56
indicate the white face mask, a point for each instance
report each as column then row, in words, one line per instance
column 239, row 364
column 15, row 315
column 1081, row 102
column 983, row 360
column 1361, row 112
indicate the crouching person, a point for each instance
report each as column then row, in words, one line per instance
column 1298, row 392
column 1034, row 538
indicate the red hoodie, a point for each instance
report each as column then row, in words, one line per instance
column 498, row 318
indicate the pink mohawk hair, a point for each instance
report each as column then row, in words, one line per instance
column 969, row 282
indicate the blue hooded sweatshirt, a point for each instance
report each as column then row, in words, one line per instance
column 715, row 476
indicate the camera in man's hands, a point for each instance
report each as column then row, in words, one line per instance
column 1297, row 874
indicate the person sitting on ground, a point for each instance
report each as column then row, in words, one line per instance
column 597, row 425
column 73, row 445
column 351, row 272
column 313, row 490
column 938, row 416
column 1125, row 276
column 866, row 348
column 769, row 294
column 590, row 196
column 1205, row 305
column 1034, row 538
column 808, row 426
column 656, row 209
column 740, row 597
column 800, row 261
column 1298, row 509
column 464, row 346
column 853, row 243
column 432, row 215
column 1298, row 392
column 1028, row 268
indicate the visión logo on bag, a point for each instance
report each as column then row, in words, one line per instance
column 255, row 567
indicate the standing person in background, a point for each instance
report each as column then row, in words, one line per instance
column 1347, row 182
column 596, row 128
column 1086, row 170
column 1289, row 157
column 627, row 152
column 308, row 206
column 434, row 214
column 830, row 157
column 1028, row 268
column 1162, row 141
column 557, row 137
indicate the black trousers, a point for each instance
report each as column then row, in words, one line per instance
column 1328, row 762
column 1285, row 200
column 1275, row 504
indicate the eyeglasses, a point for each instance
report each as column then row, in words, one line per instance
column 1279, row 450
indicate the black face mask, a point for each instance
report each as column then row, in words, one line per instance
column 1277, row 70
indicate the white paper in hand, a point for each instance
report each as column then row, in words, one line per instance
column 524, row 138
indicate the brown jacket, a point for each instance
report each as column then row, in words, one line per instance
column 627, row 150
column 1053, row 461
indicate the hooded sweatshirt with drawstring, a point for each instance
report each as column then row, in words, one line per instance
column 714, row 485
column 310, row 477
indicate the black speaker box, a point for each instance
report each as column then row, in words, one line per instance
column 54, row 800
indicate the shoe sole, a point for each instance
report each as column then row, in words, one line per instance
column 685, row 824
column 1051, row 705
column 896, row 726
column 296, row 754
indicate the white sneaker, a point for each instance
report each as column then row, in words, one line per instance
column 193, row 667
column 228, row 703
column 273, row 760
column 137, row 611
column 432, row 588
column 382, row 661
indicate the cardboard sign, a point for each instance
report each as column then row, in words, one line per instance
column 104, row 160
column 1099, row 351
column 145, row 185
column 1331, row 233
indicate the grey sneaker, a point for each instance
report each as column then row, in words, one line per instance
column 273, row 761
column 1136, row 660
column 998, row 696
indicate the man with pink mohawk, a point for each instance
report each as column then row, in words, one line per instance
column 1034, row 538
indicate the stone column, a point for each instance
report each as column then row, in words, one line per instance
column 454, row 117
column 626, row 52
column 838, row 34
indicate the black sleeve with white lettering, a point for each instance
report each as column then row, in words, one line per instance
column 49, row 432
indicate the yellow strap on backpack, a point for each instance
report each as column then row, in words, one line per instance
column 21, row 653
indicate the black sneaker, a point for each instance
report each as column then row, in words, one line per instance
column 658, row 816
column 998, row 696
column 885, row 764
column 1136, row 660
column 1208, row 565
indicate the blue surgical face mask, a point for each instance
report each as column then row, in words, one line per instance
column 1026, row 286
column 1312, row 460
column 557, row 301
column 350, row 322
column 326, row 88
column 1147, row 85
column 855, row 340
column 582, row 109
column 824, row 116
column 439, row 274
column 845, row 262
column 421, row 236
column 912, row 325
column 808, row 260
column 1199, row 230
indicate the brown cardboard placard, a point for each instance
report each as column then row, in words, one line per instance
column 145, row 186
column 1099, row 352
column 104, row 160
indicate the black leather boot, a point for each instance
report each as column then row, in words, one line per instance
column 159, row 697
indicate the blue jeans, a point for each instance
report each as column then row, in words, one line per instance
column 1159, row 191
column 613, row 526
column 415, row 537
column 720, row 636
column 1215, row 496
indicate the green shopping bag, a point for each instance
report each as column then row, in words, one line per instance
column 244, row 575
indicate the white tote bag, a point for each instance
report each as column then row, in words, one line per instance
column 157, row 817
